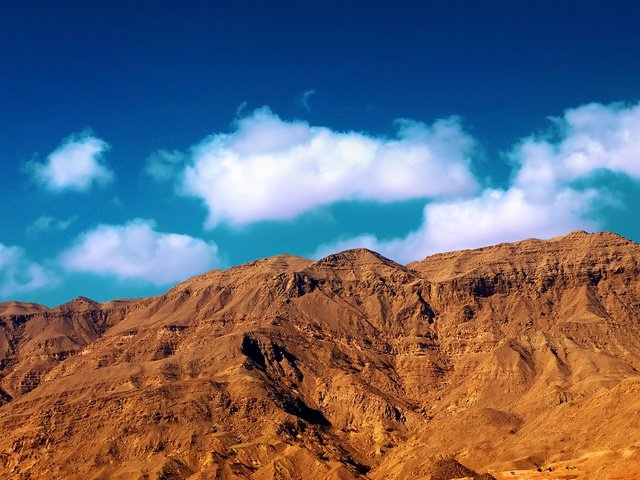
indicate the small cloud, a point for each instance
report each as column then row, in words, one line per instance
column 46, row 223
column 165, row 165
column 75, row 165
column 136, row 251
column 19, row 275
column 270, row 169
column 304, row 98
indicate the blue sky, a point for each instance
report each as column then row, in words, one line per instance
column 141, row 145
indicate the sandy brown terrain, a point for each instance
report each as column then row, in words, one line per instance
column 518, row 361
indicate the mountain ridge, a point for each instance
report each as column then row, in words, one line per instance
column 351, row 366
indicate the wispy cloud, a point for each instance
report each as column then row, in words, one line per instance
column 270, row 169
column 544, row 198
column 241, row 109
column 46, row 223
column 75, row 165
column 165, row 165
column 136, row 251
column 19, row 275
column 304, row 98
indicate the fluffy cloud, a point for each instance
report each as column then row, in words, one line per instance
column 137, row 251
column 269, row 169
column 543, row 199
column 593, row 138
column 18, row 274
column 493, row 217
column 75, row 165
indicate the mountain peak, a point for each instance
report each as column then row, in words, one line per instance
column 356, row 257
column 78, row 303
column 572, row 235
column 603, row 238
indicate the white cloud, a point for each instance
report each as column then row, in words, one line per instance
column 495, row 216
column 594, row 138
column 75, row 165
column 542, row 201
column 137, row 251
column 165, row 165
column 19, row 275
column 46, row 223
column 269, row 169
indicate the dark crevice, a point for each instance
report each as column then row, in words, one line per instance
column 295, row 406
column 358, row 467
column 280, row 353
column 484, row 288
column 4, row 397
column 425, row 309
column 251, row 348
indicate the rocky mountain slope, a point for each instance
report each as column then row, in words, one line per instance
column 517, row 359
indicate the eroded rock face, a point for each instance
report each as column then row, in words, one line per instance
column 513, row 356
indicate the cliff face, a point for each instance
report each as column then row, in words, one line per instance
column 516, row 356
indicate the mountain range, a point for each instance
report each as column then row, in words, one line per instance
column 519, row 360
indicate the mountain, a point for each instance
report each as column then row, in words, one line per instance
column 519, row 360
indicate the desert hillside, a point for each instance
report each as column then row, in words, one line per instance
column 514, row 361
